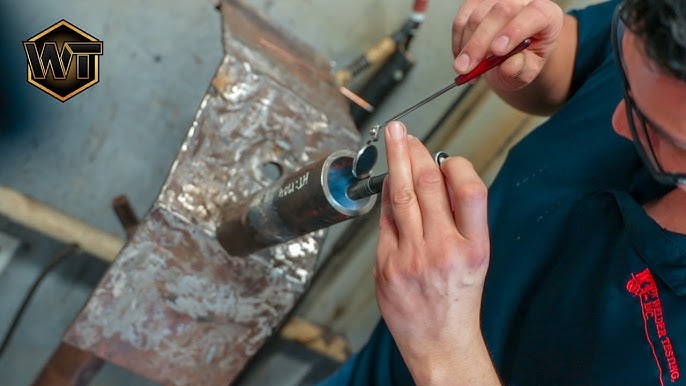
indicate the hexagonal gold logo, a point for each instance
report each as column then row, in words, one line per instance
column 62, row 60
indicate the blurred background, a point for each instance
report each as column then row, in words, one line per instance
column 121, row 136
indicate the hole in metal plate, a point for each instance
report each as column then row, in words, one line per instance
column 272, row 170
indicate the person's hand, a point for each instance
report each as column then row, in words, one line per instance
column 482, row 27
column 432, row 256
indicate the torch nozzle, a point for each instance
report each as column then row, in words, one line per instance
column 366, row 187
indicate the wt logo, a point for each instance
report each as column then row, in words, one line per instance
column 63, row 60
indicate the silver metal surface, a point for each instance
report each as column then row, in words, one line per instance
column 440, row 157
column 364, row 160
column 175, row 307
column 312, row 198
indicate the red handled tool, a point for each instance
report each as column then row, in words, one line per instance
column 479, row 70
column 366, row 157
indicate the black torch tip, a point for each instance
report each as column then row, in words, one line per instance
column 366, row 187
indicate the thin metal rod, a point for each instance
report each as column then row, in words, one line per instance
column 483, row 66
column 422, row 102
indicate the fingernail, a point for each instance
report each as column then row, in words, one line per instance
column 500, row 44
column 462, row 62
column 396, row 130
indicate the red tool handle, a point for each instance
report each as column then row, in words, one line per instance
column 420, row 6
column 489, row 63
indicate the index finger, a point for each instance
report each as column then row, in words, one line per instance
column 478, row 45
column 406, row 212
column 460, row 23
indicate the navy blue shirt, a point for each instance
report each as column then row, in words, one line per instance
column 583, row 287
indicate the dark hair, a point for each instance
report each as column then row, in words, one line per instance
column 661, row 24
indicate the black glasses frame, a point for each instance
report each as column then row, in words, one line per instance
column 647, row 155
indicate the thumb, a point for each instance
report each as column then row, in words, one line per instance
column 516, row 72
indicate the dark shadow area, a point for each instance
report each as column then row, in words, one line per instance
column 15, row 105
column 77, row 268
column 281, row 362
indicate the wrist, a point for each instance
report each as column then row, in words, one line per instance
column 466, row 362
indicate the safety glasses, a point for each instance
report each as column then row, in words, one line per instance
column 643, row 131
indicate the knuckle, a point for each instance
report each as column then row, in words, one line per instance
column 403, row 265
column 475, row 20
column 514, row 30
column 414, row 268
column 501, row 9
column 459, row 23
column 478, row 15
column 403, row 198
column 468, row 259
column 471, row 192
column 540, row 6
column 386, row 223
column 386, row 273
column 447, row 258
column 478, row 257
column 445, row 263
column 430, row 179
column 479, row 252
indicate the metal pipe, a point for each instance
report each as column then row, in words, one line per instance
column 310, row 199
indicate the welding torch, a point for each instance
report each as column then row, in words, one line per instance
column 394, row 62
column 385, row 47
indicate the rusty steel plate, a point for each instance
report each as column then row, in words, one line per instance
column 174, row 306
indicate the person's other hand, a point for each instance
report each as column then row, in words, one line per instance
column 482, row 27
column 432, row 255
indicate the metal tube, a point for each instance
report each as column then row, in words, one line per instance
column 310, row 199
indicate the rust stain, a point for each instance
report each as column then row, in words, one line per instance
column 174, row 306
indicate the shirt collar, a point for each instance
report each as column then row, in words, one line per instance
column 662, row 250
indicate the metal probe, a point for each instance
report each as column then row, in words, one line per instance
column 481, row 68
column 366, row 157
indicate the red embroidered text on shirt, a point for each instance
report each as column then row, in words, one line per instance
column 643, row 286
